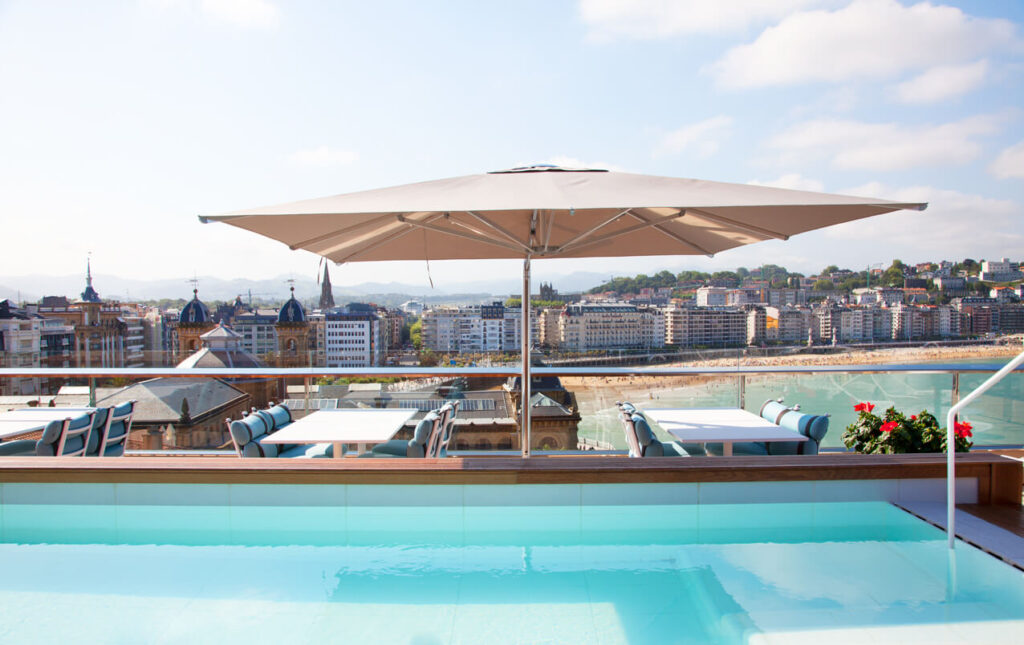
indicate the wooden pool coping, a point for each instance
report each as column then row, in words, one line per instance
column 999, row 478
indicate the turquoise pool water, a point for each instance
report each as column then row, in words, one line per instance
column 851, row 572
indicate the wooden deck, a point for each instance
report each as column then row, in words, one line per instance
column 999, row 478
column 1006, row 516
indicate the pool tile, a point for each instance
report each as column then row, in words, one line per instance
column 638, row 494
column 404, row 496
column 857, row 490
column 278, row 495
column 934, row 490
column 756, row 492
column 523, row 495
column 171, row 494
column 53, row 493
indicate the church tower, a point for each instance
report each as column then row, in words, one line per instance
column 326, row 293
column 293, row 332
column 195, row 320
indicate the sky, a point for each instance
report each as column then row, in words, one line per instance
column 121, row 122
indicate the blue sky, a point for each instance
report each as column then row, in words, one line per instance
column 122, row 121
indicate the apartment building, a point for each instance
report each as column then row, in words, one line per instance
column 787, row 324
column 257, row 330
column 711, row 296
column 584, row 327
column 705, row 326
column 349, row 336
column 476, row 329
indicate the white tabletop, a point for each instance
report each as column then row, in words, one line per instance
column 361, row 427
column 727, row 425
column 19, row 422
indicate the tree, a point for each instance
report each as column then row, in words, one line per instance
column 829, row 269
column 416, row 333
column 823, row 285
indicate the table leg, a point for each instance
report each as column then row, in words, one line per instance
column 339, row 450
column 727, row 449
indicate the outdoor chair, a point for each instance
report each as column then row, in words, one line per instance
column 66, row 437
column 110, row 431
column 641, row 439
column 247, row 435
column 811, row 426
column 449, row 412
column 417, row 447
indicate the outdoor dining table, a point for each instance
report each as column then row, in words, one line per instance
column 725, row 425
column 15, row 423
column 358, row 427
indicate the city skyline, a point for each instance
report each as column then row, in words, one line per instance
column 124, row 123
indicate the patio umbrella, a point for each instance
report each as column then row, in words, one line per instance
column 548, row 212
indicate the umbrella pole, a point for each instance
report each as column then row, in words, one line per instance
column 524, row 380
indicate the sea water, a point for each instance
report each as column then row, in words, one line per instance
column 736, row 573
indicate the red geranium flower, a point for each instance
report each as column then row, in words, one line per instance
column 913, row 417
column 864, row 407
column 889, row 426
column 962, row 430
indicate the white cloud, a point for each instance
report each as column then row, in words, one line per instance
column 322, row 156
column 793, row 181
column 943, row 82
column 701, row 139
column 869, row 39
column 1009, row 163
column 663, row 18
column 954, row 225
column 248, row 14
column 884, row 146
column 253, row 14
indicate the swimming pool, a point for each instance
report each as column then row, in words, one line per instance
column 473, row 573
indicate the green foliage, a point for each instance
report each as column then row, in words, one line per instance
column 896, row 433
column 515, row 303
column 428, row 359
column 824, row 285
column 416, row 333
column 829, row 269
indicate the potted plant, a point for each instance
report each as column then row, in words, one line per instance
column 896, row 433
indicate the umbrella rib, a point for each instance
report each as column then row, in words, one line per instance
column 384, row 240
column 675, row 236
column 512, row 238
column 629, row 229
column 467, row 236
column 749, row 228
column 344, row 231
column 584, row 234
column 547, row 234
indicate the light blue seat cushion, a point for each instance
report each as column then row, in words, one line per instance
column 97, row 431
column 116, row 438
column 76, row 437
column 276, row 417
column 739, row 449
column 650, row 446
column 19, row 448
column 314, row 451
column 772, row 410
column 812, row 426
column 247, row 434
column 415, row 447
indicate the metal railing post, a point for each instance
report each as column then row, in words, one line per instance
column 951, row 443
column 92, row 392
column 741, row 392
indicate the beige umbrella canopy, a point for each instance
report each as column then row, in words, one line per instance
column 549, row 212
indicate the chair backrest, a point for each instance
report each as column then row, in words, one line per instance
column 113, row 432
column 426, row 430
column 812, row 426
column 246, row 434
column 448, row 429
column 445, row 414
column 66, row 438
column 627, row 427
column 649, row 445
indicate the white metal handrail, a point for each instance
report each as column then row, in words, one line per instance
column 951, row 443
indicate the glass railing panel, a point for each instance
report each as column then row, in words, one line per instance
column 997, row 417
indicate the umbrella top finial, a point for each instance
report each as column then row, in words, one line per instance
column 544, row 167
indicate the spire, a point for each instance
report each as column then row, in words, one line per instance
column 89, row 295
column 326, row 294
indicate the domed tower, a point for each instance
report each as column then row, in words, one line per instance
column 195, row 320
column 292, row 334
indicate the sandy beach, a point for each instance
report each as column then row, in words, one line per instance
column 595, row 393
